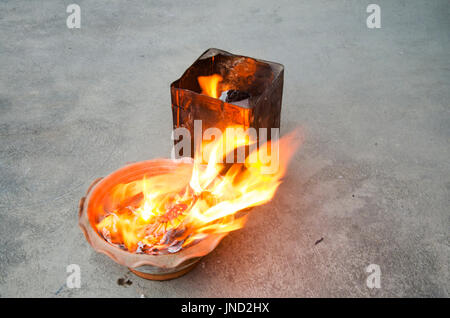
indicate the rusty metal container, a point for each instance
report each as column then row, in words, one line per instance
column 261, row 80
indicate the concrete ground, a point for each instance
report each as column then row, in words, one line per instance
column 372, row 177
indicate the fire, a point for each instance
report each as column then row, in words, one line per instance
column 210, row 84
column 164, row 213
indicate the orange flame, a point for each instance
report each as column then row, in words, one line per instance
column 210, row 84
column 167, row 212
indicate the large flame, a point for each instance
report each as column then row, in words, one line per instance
column 167, row 212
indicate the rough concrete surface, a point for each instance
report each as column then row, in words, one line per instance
column 372, row 177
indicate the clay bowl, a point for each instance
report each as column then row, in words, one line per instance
column 154, row 267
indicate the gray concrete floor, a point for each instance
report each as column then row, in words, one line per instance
column 372, row 177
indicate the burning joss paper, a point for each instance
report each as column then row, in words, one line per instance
column 168, row 212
